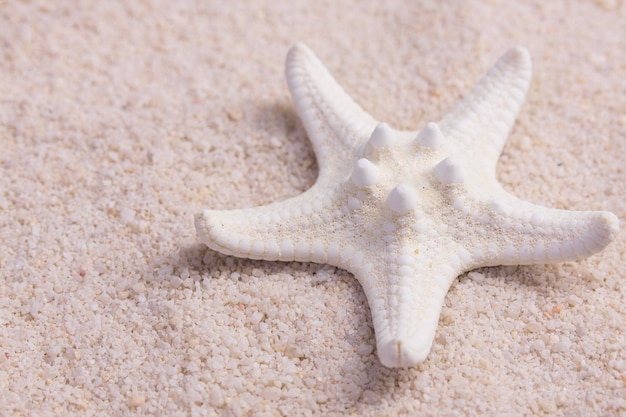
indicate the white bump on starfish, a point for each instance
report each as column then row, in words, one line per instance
column 402, row 199
column 430, row 136
column 365, row 173
column 382, row 136
column 404, row 234
column 449, row 171
column 354, row 203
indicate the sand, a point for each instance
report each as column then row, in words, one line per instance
column 119, row 120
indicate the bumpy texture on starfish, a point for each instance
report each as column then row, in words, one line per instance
column 407, row 212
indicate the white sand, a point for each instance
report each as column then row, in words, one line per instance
column 120, row 120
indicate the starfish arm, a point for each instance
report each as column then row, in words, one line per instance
column 529, row 234
column 302, row 228
column 481, row 122
column 336, row 125
column 405, row 293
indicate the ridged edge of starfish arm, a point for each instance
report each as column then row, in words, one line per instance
column 248, row 233
column 405, row 298
column 208, row 228
column 534, row 234
column 483, row 119
column 297, row 229
column 334, row 122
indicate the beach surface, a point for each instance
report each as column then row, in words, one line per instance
column 120, row 120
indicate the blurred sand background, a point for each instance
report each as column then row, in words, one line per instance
column 119, row 120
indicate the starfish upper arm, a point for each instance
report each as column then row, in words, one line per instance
column 334, row 122
column 482, row 119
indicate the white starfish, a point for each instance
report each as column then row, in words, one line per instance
column 407, row 212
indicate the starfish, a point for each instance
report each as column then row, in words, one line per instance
column 407, row 211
